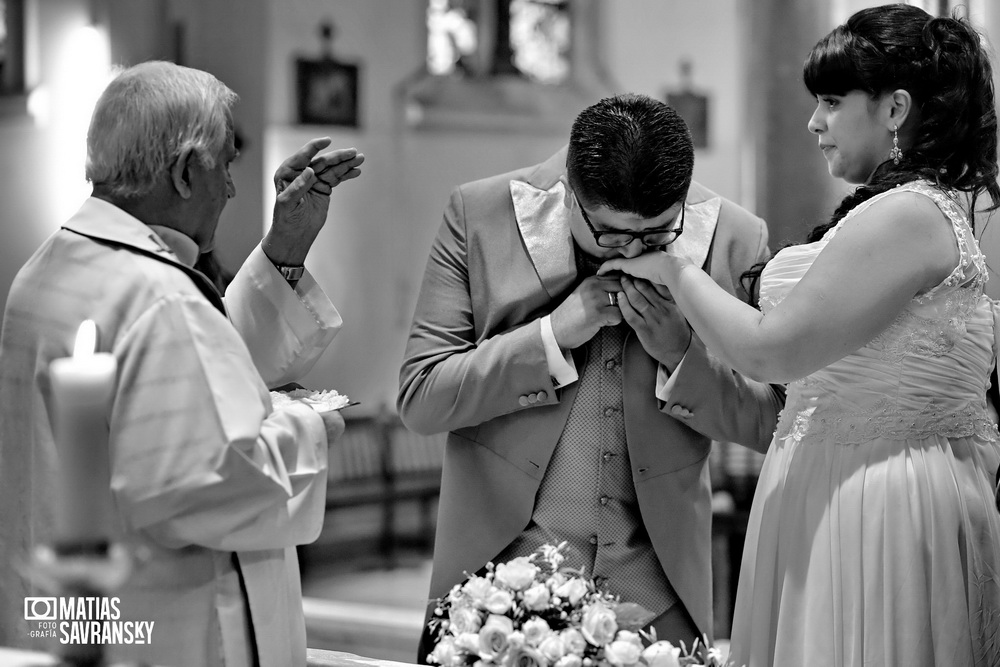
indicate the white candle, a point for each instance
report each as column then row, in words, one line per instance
column 81, row 390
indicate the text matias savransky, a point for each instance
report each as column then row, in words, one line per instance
column 85, row 620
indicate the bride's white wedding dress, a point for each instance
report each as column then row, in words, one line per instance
column 874, row 538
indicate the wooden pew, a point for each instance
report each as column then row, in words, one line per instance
column 378, row 462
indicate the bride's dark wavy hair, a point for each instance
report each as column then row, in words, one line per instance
column 941, row 62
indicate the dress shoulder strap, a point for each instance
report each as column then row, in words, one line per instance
column 971, row 268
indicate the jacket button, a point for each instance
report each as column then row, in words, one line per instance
column 523, row 400
column 681, row 411
column 542, row 395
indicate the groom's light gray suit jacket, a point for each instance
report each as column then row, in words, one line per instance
column 503, row 258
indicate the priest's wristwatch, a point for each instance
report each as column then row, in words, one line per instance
column 290, row 273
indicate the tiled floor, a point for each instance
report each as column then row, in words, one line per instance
column 404, row 586
column 367, row 608
column 368, row 578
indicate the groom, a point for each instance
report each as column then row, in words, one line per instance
column 582, row 409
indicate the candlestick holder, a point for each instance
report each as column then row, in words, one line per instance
column 83, row 570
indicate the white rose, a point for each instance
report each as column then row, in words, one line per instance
column 477, row 588
column 571, row 660
column 536, row 598
column 661, row 654
column 525, row 656
column 494, row 635
column 552, row 647
column 622, row 653
column 445, row 653
column 516, row 575
column 464, row 619
column 535, row 630
column 573, row 641
column 599, row 625
column 467, row 642
column 573, row 590
column 498, row 601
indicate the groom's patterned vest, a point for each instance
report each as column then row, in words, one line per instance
column 587, row 496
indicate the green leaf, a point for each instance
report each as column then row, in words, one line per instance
column 632, row 616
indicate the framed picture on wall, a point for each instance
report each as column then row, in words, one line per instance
column 327, row 92
column 693, row 108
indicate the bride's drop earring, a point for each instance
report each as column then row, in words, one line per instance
column 896, row 154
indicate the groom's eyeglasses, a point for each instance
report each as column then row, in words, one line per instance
column 651, row 238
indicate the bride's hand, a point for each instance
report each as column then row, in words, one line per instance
column 656, row 266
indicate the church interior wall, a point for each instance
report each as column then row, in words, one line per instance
column 371, row 255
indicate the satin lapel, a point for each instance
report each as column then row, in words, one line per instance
column 544, row 222
column 700, row 221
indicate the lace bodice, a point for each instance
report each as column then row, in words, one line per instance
column 923, row 375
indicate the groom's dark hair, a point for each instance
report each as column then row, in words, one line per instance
column 630, row 153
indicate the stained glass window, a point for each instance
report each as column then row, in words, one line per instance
column 540, row 38
column 530, row 38
column 3, row 37
column 452, row 39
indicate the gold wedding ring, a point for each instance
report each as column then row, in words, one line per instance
column 612, row 298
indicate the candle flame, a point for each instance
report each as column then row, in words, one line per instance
column 86, row 339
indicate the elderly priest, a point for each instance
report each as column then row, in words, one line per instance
column 211, row 489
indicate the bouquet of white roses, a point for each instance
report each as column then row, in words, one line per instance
column 531, row 612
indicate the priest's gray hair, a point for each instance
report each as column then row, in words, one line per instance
column 147, row 117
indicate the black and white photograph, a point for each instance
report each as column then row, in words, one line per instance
column 499, row 333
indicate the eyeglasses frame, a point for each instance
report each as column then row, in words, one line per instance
column 679, row 229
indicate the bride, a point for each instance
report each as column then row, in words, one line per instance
column 873, row 537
